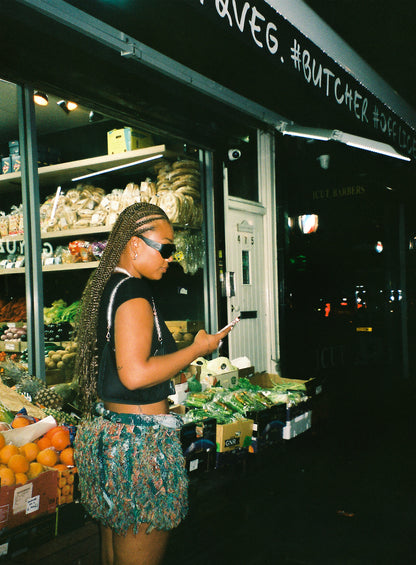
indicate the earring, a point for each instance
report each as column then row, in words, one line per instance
column 135, row 256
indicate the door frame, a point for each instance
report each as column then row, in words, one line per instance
column 266, row 207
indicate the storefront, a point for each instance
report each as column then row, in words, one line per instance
column 254, row 115
column 303, row 92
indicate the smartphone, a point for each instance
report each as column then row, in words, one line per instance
column 230, row 325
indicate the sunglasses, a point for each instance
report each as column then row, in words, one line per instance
column 165, row 249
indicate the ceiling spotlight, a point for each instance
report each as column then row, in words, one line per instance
column 40, row 98
column 95, row 116
column 67, row 106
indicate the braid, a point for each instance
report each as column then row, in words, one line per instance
column 133, row 220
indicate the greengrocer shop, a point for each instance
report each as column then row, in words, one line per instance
column 130, row 108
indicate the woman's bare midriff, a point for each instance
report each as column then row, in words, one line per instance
column 161, row 407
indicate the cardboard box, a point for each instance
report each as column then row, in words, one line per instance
column 247, row 372
column 267, row 427
column 234, row 435
column 22, row 503
column 127, row 139
column 14, row 147
column 298, row 425
column 67, row 486
column 15, row 163
column 6, row 165
column 226, row 379
column 268, row 380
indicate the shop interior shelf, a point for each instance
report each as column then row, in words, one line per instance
column 65, row 172
column 60, row 234
column 61, row 267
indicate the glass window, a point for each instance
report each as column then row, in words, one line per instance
column 242, row 170
column 13, row 328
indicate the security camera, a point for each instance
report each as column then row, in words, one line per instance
column 234, row 154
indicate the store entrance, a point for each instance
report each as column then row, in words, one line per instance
column 246, row 282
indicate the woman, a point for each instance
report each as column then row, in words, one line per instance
column 129, row 458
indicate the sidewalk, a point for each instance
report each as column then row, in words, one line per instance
column 341, row 494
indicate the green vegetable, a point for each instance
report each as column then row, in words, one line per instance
column 5, row 414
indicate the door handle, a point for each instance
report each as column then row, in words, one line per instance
column 229, row 284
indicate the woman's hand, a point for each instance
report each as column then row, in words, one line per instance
column 208, row 343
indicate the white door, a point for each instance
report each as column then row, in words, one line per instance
column 246, row 279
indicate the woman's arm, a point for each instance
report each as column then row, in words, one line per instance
column 133, row 342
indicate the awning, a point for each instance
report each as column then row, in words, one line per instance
column 275, row 60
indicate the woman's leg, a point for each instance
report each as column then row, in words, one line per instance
column 106, row 545
column 140, row 548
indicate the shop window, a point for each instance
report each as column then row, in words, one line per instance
column 242, row 169
column 90, row 167
column 13, row 328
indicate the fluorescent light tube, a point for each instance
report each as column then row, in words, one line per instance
column 95, row 173
column 310, row 133
column 368, row 145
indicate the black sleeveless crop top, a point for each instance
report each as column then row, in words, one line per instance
column 110, row 388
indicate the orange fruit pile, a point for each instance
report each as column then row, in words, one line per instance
column 20, row 464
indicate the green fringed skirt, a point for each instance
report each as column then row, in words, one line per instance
column 132, row 471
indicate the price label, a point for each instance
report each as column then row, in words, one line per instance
column 33, row 504
column 193, row 465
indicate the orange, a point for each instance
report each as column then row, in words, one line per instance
column 18, row 463
column 2, row 441
column 43, row 443
column 7, row 477
column 20, row 422
column 30, row 451
column 60, row 467
column 50, row 433
column 35, row 469
column 21, row 478
column 67, row 456
column 7, row 451
column 66, row 489
column 47, row 457
column 60, row 440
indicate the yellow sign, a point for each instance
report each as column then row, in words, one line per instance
column 363, row 329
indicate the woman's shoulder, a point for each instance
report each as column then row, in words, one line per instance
column 131, row 287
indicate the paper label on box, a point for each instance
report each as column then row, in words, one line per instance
column 4, row 513
column 33, row 504
column 4, row 549
column 193, row 465
column 21, row 496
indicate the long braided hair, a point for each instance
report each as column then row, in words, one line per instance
column 133, row 220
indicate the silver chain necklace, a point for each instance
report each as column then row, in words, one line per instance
column 121, row 270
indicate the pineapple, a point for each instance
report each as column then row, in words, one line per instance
column 30, row 386
column 48, row 398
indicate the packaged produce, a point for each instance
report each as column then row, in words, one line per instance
column 4, row 224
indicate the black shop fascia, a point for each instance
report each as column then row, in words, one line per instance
column 265, row 51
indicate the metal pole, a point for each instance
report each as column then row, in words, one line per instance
column 210, row 276
column 32, row 237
